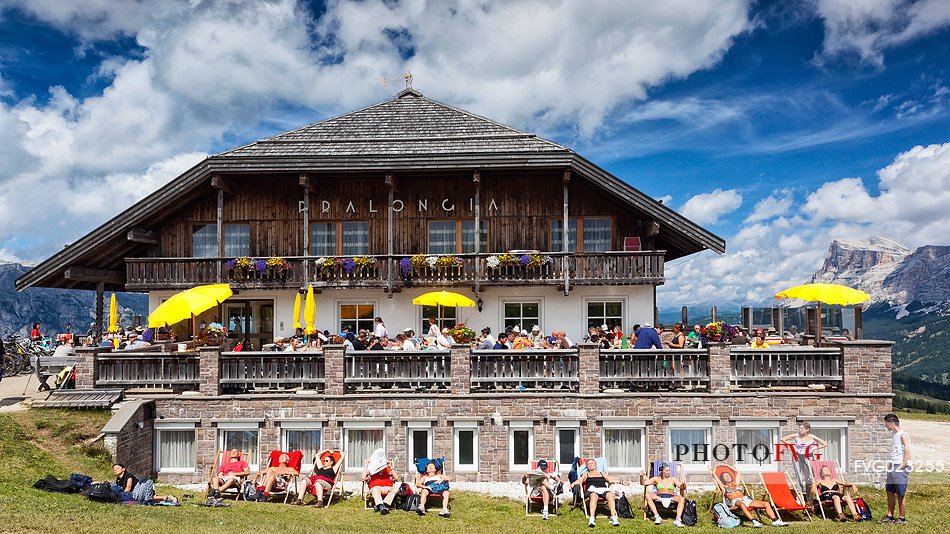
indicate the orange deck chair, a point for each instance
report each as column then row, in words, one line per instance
column 780, row 489
column 296, row 459
column 219, row 459
column 339, row 458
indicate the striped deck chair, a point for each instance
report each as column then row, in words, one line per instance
column 290, row 481
column 676, row 471
column 784, row 495
column 816, row 467
column 720, row 494
column 537, row 499
column 220, row 458
column 367, row 495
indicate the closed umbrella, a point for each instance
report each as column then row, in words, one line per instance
column 310, row 312
column 189, row 302
column 824, row 293
column 113, row 315
column 297, row 312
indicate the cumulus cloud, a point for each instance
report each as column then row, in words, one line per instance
column 707, row 208
column 778, row 203
column 869, row 27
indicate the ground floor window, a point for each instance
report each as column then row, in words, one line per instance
column 520, row 446
column 567, row 445
column 466, row 448
column 357, row 316
column 688, row 437
column 360, row 444
column 306, row 440
column 176, row 449
column 244, row 440
column 420, row 442
column 758, row 443
column 605, row 312
column 623, row 448
column 836, row 435
column 522, row 314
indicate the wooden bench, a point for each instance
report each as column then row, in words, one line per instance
column 47, row 366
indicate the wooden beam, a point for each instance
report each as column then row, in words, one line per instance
column 223, row 184
column 567, row 176
column 564, row 237
column 141, row 235
column 391, row 185
column 392, row 182
column 88, row 274
column 477, row 179
column 100, row 291
column 306, row 184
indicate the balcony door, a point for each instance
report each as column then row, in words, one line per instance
column 251, row 321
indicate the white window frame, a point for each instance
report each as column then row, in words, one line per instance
column 417, row 426
column 360, row 425
column 522, row 300
column 844, row 427
column 775, row 427
column 159, row 427
column 625, row 425
column 575, row 426
column 520, row 426
column 342, row 302
column 690, row 425
column 464, row 426
column 423, row 320
column 250, row 427
column 623, row 308
column 301, row 425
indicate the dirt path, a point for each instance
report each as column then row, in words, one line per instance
column 931, row 441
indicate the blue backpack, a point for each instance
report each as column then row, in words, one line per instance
column 723, row 517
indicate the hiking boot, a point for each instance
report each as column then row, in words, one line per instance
column 318, row 504
column 886, row 520
column 383, row 509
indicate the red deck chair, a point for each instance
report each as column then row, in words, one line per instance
column 537, row 499
column 219, row 459
column 296, row 459
column 780, row 489
column 816, row 467
column 335, row 487
column 365, row 492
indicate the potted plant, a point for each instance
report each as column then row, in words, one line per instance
column 461, row 333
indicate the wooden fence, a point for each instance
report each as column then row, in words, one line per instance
column 654, row 370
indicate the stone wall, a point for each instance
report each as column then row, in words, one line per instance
column 129, row 436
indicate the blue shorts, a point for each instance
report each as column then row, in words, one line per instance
column 896, row 482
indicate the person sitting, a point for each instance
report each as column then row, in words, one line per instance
column 381, row 479
column 135, row 343
column 433, row 483
column 124, row 482
column 279, row 345
column 678, row 340
column 829, row 488
column 409, row 341
column 666, row 486
column 230, row 473
column 647, row 338
column 522, row 342
column 502, row 343
column 445, row 340
column 597, row 488
column 742, row 338
column 758, row 340
column 321, row 480
column 543, row 484
column 736, row 497
column 694, row 339
column 275, row 477
column 536, row 337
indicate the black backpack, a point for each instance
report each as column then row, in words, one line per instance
column 689, row 513
column 101, row 492
column 623, row 508
column 411, row 503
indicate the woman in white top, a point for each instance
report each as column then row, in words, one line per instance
column 433, row 327
column 806, row 445
column 380, row 329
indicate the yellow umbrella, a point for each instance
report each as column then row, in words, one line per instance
column 827, row 293
column 113, row 315
column 297, row 311
column 310, row 312
column 189, row 302
column 443, row 298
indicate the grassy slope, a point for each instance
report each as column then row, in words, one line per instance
column 35, row 443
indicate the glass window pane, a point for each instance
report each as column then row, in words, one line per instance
column 323, row 239
column 596, row 235
column 237, row 240
column 355, row 238
column 512, row 309
column 522, row 314
column 176, row 449
column 306, row 441
column 445, row 317
column 442, row 237
column 688, row 437
column 466, row 452
column 565, row 439
column 204, row 241
column 613, row 309
column 752, row 438
column 520, row 444
column 595, row 309
column 347, row 311
column 360, row 444
column 468, row 236
column 420, row 444
column 557, row 228
column 622, row 447
column 835, row 438
column 244, row 441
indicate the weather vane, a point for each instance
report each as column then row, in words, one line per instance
column 406, row 77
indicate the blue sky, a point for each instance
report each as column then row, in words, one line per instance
column 780, row 127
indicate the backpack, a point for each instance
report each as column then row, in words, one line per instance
column 248, row 491
column 723, row 517
column 623, row 508
column 411, row 503
column 690, row 516
column 864, row 511
column 102, row 492
column 144, row 490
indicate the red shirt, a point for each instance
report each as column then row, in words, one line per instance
column 35, row 334
column 238, row 466
column 382, row 478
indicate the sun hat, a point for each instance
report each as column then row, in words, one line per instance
column 536, row 328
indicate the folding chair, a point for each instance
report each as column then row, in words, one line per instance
column 581, row 466
column 219, row 459
column 365, row 492
column 421, row 464
column 779, row 487
column 339, row 458
column 717, row 472
column 290, row 486
column 538, row 499
column 676, row 471
column 816, row 467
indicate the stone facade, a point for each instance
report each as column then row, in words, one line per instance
column 857, row 409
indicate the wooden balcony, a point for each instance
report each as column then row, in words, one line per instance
column 641, row 370
column 778, row 368
column 524, row 370
column 373, row 371
column 148, row 370
column 263, row 372
column 470, row 270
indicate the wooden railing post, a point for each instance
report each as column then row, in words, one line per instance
column 333, row 367
column 209, row 371
column 588, row 368
column 461, row 363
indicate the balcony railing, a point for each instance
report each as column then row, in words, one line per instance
column 787, row 368
column 582, row 268
column 148, row 369
column 654, row 370
column 524, row 370
column 369, row 371
column 247, row 372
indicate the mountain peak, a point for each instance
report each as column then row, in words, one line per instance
column 887, row 245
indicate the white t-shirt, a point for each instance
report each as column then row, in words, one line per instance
column 408, row 345
column 380, row 331
column 897, row 447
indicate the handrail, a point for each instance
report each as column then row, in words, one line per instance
column 397, row 370
column 654, row 370
column 524, row 370
column 788, row 368
column 174, row 370
column 263, row 371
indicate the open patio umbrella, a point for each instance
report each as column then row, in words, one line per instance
column 113, row 315
column 824, row 293
column 443, row 299
column 189, row 302
column 310, row 313
column 297, row 311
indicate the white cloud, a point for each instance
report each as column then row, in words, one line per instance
column 778, row 203
column 707, row 208
column 868, row 27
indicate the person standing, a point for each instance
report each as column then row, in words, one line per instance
column 647, row 338
column 897, row 470
column 35, row 334
column 379, row 330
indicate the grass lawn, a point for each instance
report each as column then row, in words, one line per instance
column 38, row 442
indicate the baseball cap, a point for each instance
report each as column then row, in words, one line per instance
column 542, row 465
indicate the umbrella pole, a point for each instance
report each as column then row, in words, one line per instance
column 818, row 337
column 194, row 328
